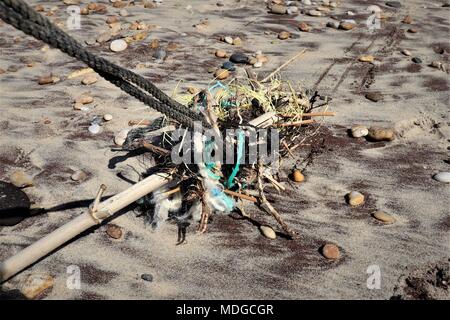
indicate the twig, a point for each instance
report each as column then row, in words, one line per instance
column 269, row 208
column 283, row 65
column 143, row 122
column 155, row 149
column 311, row 114
column 294, row 124
column 288, row 150
column 240, row 195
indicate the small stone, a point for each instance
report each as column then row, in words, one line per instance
column 436, row 64
column 221, row 54
column 154, row 44
column 211, row 69
column 120, row 4
column 268, row 232
column 442, row 177
column 104, row 37
column 306, row 2
column 120, row 137
column 36, row 284
column 229, row 40
column 407, row 19
column 71, row 2
column 412, row 30
column 394, row 4
column 374, row 96
column 92, row 6
column 101, row 8
column 48, row 79
column 89, row 79
column 84, row 99
column 406, row 52
column 78, row 176
column 416, row 60
column 331, row 251
column 292, row 10
column 84, row 11
column 118, row 45
column 262, row 58
column 114, row 231
column 283, row 35
column 381, row 134
column 147, row 277
column 252, row 61
column 20, row 179
column 303, row 26
column 237, row 41
column 347, row 25
column 221, row 74
column 278, row 9
column 355, row 198
column 172, row 46
column 123, row 13
column 314, row 13
column 107, row 117
column 94, row 128
column 239, row 58
column 228, row 66
column 333, row 24
column 39, row 8
column 257, row 64
column 366, row 58
column 384, row 217
column 298, row 176
column 359, row 131
column 111, row 19
column 160, row 54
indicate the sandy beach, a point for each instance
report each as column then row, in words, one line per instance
column 43, row 135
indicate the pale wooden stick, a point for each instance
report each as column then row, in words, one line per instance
column 283, row 65
column 105, row 209
column 294, row 124
column 143, row 122
column 240, row 195
column 311, row 114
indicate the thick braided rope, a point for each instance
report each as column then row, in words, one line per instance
column 38, row 26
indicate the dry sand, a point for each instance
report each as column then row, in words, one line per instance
column 232, row 260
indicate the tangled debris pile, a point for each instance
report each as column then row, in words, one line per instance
column 247, row 118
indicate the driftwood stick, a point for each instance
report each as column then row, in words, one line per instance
column 105, row 209
column 298, row 55
column 240, row 195
column 294, row 124
column 311, row 114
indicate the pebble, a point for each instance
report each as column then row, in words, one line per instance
column 257, row 64
column 192, row 90
column 384, row 217
column 104, row 37
column 48, row 79
column 406, row 52
column 442, row 177
column 416, row 60
column 412, row 30
column 159, row 54
column 154, row 44
column 394, row 4
column 262, row 58
column 407, row 20
column 252, row 61
column 239, row 57
column 436, row 64
column 114, row 231
column 147, row 277
column 172, row 46
column 355, row 198
column 228, row 66
column 36, row 284
column 306, row 2
column 94, row 128
column 283, row 35
column 374, row 96
column 303, row 26
column 221, row 74
column 78, row 176
column 84, row 11
column 84, row 99
column 123, row 13
column 237, row 41
column 278, row 9
column 359, row 131
column 118, row 45
column 292, row 10
column 347, row 25
column 381, row 134
column 107, row 117
column 89, row 79
column 333, row 24
column 367, row 58
column 298, row 176
column 314, row 13
column 120, row 137
column 20, row 179
column 111, row 19
column 228, row 40
column 331, row 251
column 268, row 232
column 221, row 54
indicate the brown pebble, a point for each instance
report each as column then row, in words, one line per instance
column 111, row 19
column 407, row 19
column 283, row 35
column 384, row 217
column 48, row 79
column 374, row 96
column 298, row 176
column 172, row 46
column 412, row 30
column 89, row 79
column 114, row 231
column 92, row 6
column 84, row 11
column 347, row 25
column 355, row 198
column 154, row 44
column 366, row 58
column 39, row 8
column 20, row 179
column 221, row 54
column 331, row 251
column 237, row 41
column 192, row 90
column 222, row 74
column 119, row 4
column 303, row 26
column 381, row 134
column 35, row 285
